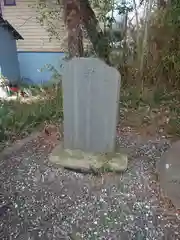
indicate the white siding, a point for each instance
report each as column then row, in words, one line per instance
column 36, row 38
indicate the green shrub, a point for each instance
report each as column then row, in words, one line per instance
column 19, row 118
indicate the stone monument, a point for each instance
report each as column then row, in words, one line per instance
column 91, row 108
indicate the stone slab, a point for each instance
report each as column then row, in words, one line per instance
column 91, row 105
column 88, row 162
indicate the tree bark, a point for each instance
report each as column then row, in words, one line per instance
column 137, row 30
column 72, row 20
column 148, row 8
column 161, row 4
column 99, row 41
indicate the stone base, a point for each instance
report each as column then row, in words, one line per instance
column 88, row 162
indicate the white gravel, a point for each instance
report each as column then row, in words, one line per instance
column 48, row 203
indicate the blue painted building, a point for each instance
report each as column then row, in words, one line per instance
column 36, row 50
column 34, row 65
column 9, row 64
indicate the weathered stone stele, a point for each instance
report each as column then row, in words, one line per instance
column 91, row 99
column 168, row 168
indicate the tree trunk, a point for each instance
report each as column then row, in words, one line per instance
column 161, row 4
column 137, row 30
column 97, row 37
column 148, row 9
column 72, row 20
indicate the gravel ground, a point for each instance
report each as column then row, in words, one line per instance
column 39, row 201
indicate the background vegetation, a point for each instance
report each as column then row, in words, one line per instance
column 145, row 50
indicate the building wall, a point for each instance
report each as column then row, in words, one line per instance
column 35, row 51
column 23, row 17
column 9, row 65
column 32, row 65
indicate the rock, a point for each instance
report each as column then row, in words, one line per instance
column 168, row 169
column 88, row 162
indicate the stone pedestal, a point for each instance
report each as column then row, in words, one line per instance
column 88, row 162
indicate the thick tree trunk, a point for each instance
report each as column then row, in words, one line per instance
column 73, row 22
column 97, row 37
column 161, row 4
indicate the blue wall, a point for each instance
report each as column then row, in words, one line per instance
column 31, row 64
column 9, row 65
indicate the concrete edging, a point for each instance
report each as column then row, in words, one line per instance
column 18, row 144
